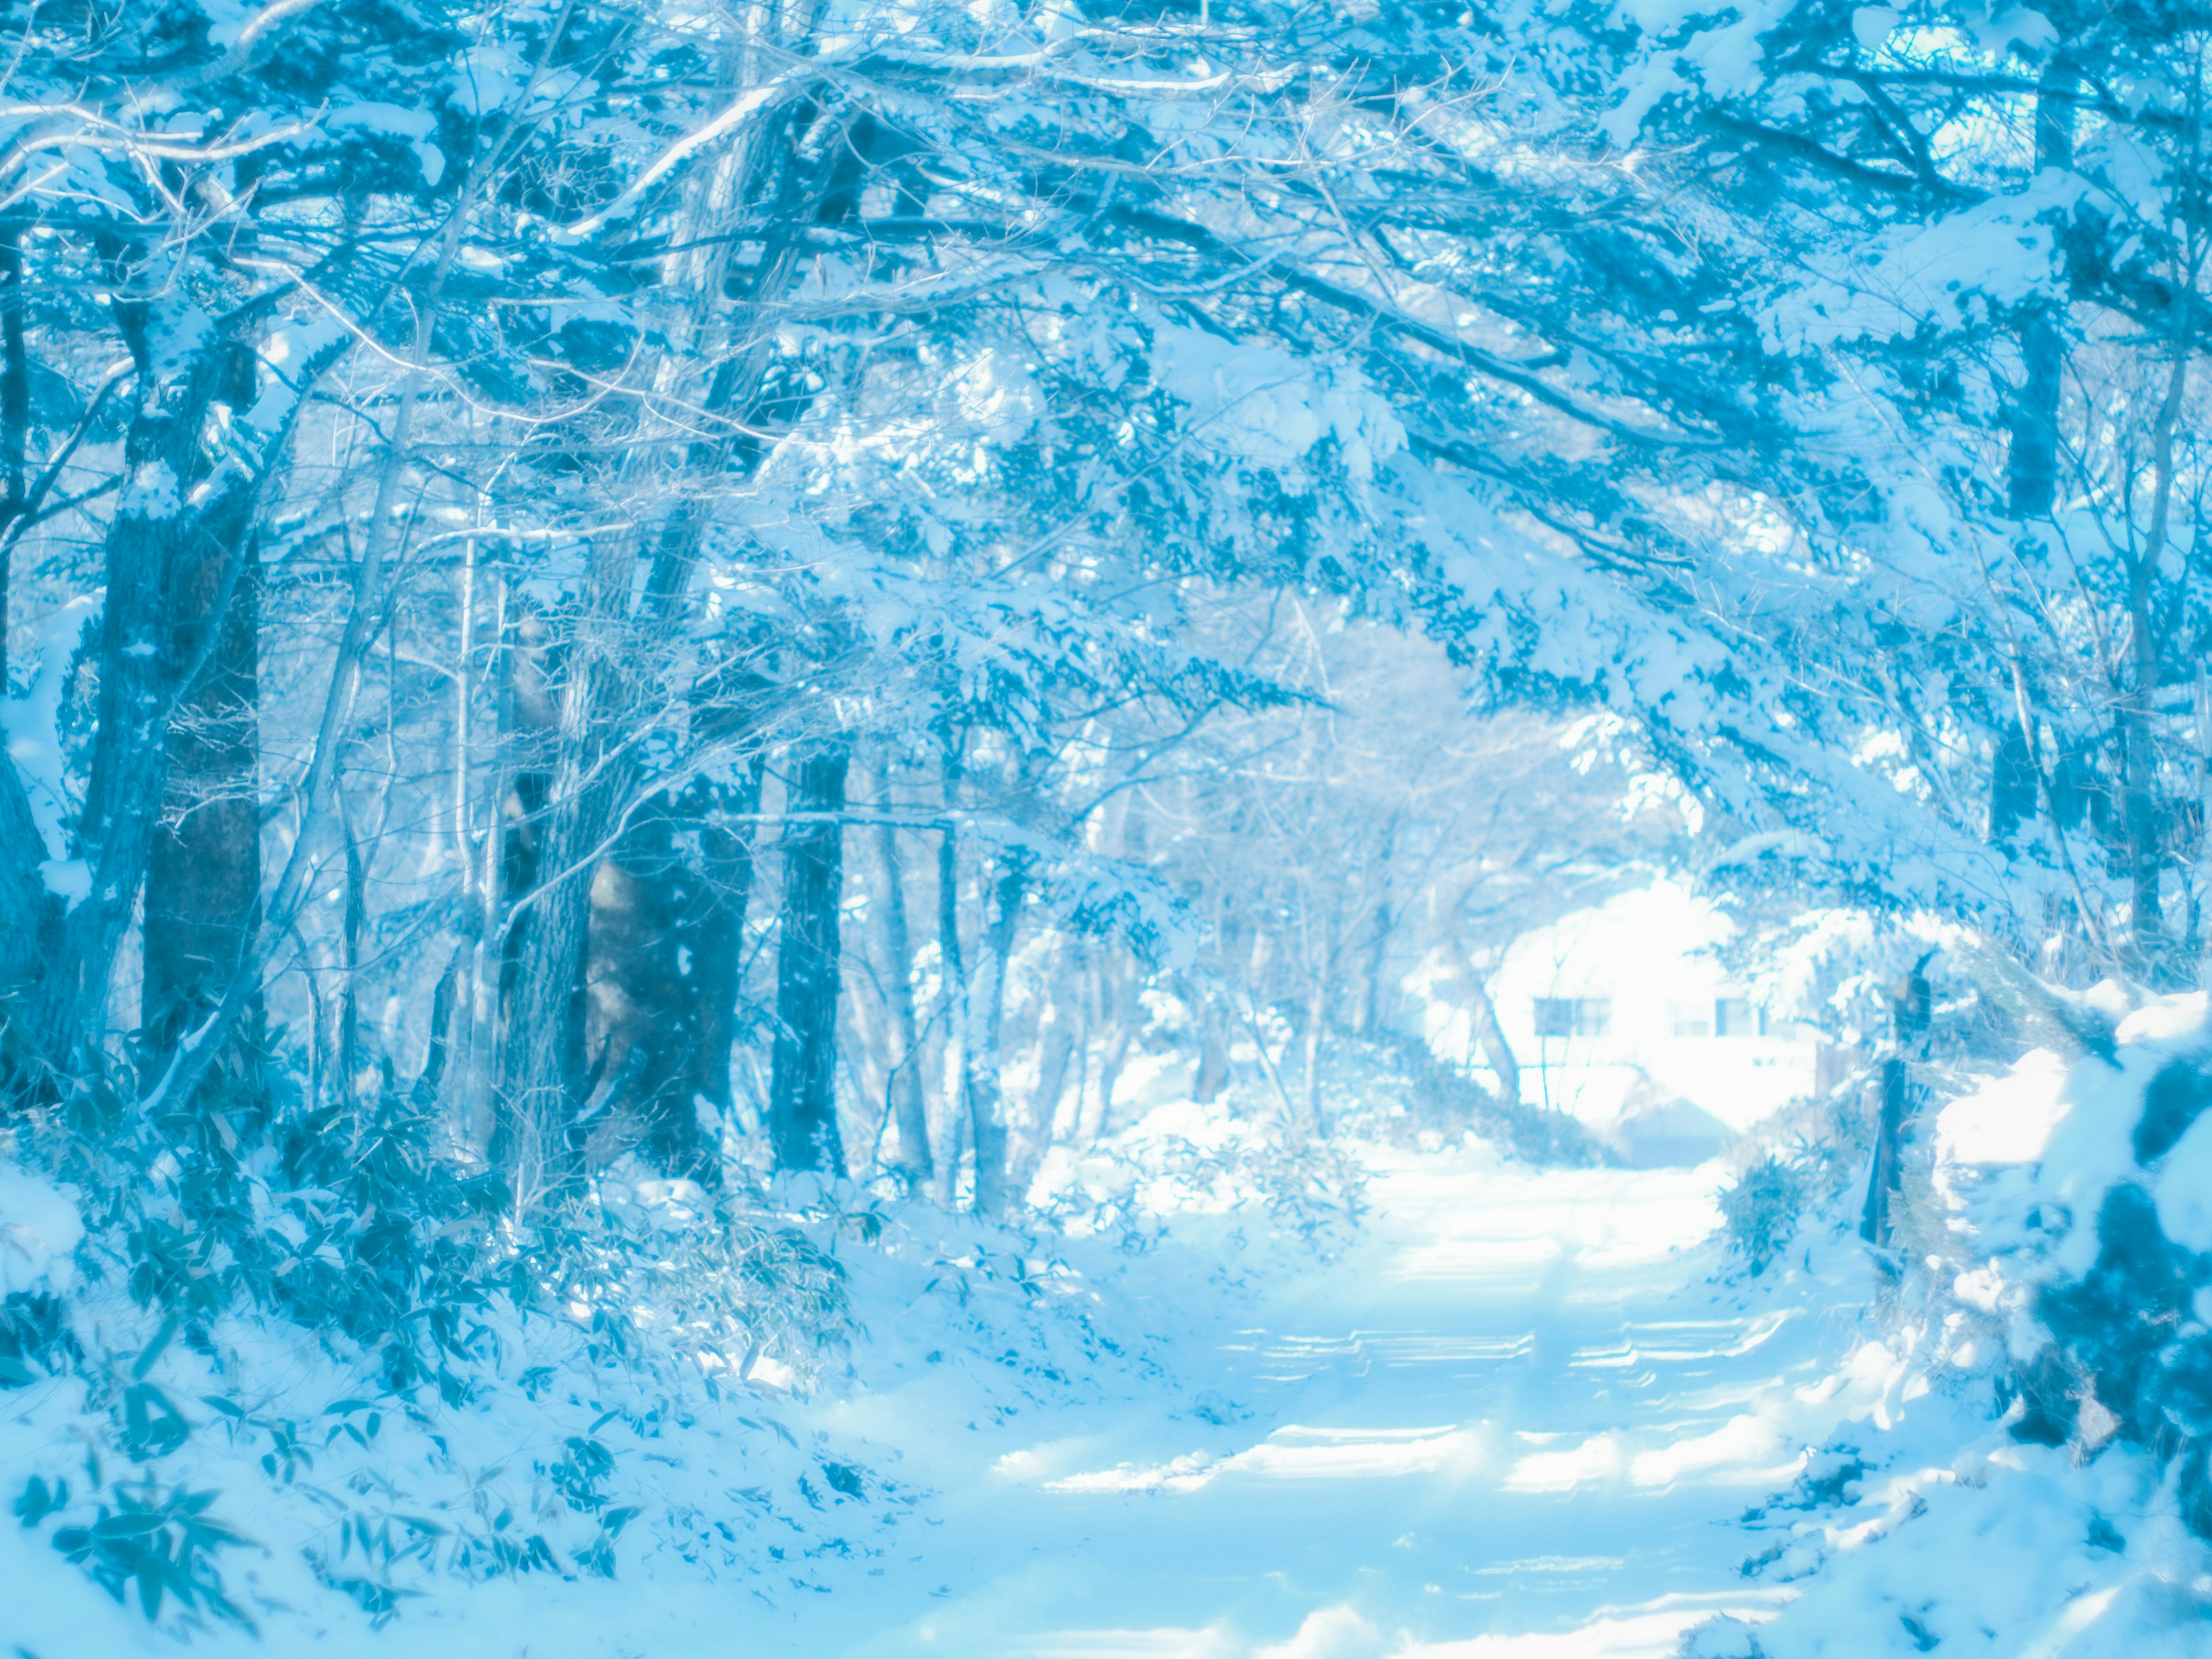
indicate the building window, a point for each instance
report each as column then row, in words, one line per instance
column 1734, row 1017
column 1694, row 1019
column 1573, row 1017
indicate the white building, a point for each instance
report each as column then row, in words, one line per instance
column 1620, row 1014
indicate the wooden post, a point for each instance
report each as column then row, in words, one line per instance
column 1910, row 1011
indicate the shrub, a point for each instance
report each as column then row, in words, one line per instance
column 251, row 1211
column 1760, row 1211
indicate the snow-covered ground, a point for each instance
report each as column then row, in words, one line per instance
column 1515, row 1413
column 1510, row 1410
column 1514, row 1419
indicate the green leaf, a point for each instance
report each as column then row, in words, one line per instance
column 152, row 1351
column 149, row 1592
column 39, row 1500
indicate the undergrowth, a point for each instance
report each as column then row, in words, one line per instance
column 1435, row 1097
column 1809, row 1160
column 225, row 1238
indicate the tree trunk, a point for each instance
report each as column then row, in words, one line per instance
column 1212, row 1057
column 953, row 977
column 712, row 930
column 1378, row 950
column 25, row 940
column 445, row 1003
column 547, row 1077
column 1111, row 1022
column 1491, row 1035
column 204, row 870
column 545, row 1050
column 14, row 414
column 526, row 717
column 171, row 566
column 451, row 1050
column 2032, row 463
column 910, row 1108
column 802, row 1092
column 30, row 910
column 2148, row 638
column 986, row 1102
column 562, row 815
column 1875, row 1216
column 1317, row 1024
column 543, row 1070
column 637, row 988
column 1055, row 1053
column 666, row 956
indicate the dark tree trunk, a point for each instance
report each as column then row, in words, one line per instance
column 14, row 414
column 204, row 872
column 171, row 567
column 30, row 908
column 803, row 1093
column 636, row 991
column 2015, row 784
column 550, row 1091
column 713, row 930
column 667, row 940
column 1874, row 1215
column 545, row 1044
column 438, row 1053
column 527, row 716
column 2016, row 775
column 2033, row 460
column 31, row 912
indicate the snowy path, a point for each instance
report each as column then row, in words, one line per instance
column 1515, row 1420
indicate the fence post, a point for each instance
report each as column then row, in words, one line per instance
column 1911, row 1006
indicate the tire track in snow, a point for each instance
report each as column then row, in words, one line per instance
column 1517, row 1420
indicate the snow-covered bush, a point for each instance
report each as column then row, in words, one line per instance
column 1391, row 1086
column 2082, row 1197
column 1183, row 1159
column 334, row 1323
column 1762, row 1209
column 1807, row 1161
column 2037, row 1468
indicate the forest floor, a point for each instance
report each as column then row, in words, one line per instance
column 1523, row 1413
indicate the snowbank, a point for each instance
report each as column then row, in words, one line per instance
column 2047, row 1492
column 40, row 1228
column 707, row 1398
